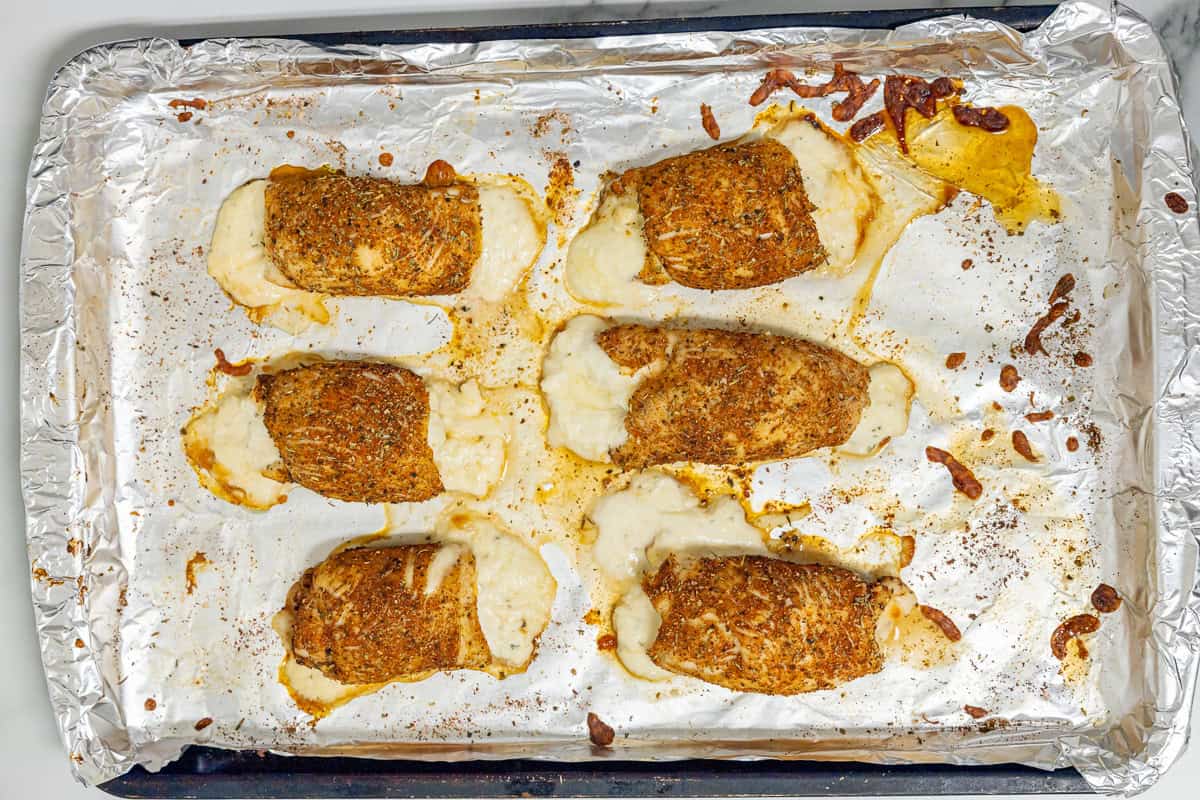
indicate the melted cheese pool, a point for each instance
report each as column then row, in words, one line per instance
column 513, row 219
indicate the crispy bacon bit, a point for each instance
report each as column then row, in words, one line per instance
column 1105, row 599
column 867, row 127
column 962, row 478
column 967, row 264
column 942, row 621
column 150, row 704
column 857, row 93
column 1020, row 443
column 902, row 92
column 1040, row 416
column 183, row 116
column 236, row 370
column 385, row 159
column 975, row 712
column 984, row 117
column 1075, row 626
column 1061, row 289
column 1033, row 339
column 709, row 121
column 1082, row 359
column 774, row 80
column 942, row 87
column 204, row 723
column 1009, row 377
column 1072, row 444
column 197, row 103
column 1176, row 202
column 987, row 435
column 439, row 175
column 606, row 642
column 599, row 732
column 955, row 360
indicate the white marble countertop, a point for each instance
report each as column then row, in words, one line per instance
column 42, row 35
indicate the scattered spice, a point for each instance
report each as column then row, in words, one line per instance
column 204, row 723
column 1040, row 416
column 150, row 704
column 438, row 175
column 1105, row 599
column 955, row 360
column 1074, row 627
column 709, row 122
column 1176, row 202
column 942, row 621
column 386, row 159
column 1072, row 444
column 1009, row 377
column 1020, row 443
column 964, row 481
column 1033, row 339
column 983, row 117
column 599, row 732
column 967, row 263
column 1061, row 289
column 236, row 370
column 987, row 435
column 606, row 642
column 1082, row 359
column 867, row 127
column 975, row 712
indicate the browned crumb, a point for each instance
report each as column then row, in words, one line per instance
column 1105, row 599
column 386, row 159
column 150, row 704
column 236, row 370
column 1039, row 416
column 1072, row 444
column 1033, row 339
column 967, row 263
column 1020, row 443
column 942, row 621
column 975, row 711
column 204, row 723
column 599, row 732
column 1009, row 377
column 1082, row 359
column 955, row 360
column 1076, row 626
column 1062, row 288
column 987, row 435
column 606, row 641
column 964, row 481
column 1176, row 202
column 709, row 122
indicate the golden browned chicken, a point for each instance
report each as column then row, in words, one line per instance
column 354, row 235
column 725, row 397
column 729, row 217
column 373, row 615
column 352, row 430
column 757, row 624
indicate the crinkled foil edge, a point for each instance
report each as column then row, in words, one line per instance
column 63, row 463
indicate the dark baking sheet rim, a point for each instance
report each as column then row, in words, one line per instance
column 207, row 772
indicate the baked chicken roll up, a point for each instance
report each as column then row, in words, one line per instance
column 639, row 395
column 759, row 624
column 473, row 596
column 358, row 431
column 284, row 243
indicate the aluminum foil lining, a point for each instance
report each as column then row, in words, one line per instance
column 119, row 320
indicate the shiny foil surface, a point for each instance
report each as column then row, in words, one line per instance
column 148, row 649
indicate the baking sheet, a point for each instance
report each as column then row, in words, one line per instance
column 119, row 321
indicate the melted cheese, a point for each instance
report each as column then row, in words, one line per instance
column 231, row 451
column 586, row 391
column 604, row 260
column 468, row 442
column 515, row 590
column 890, row 393
column 230, row 448
column 657, row 515
column 514, row 232
column 637, row 622
column 238, row 261
column 836, row 186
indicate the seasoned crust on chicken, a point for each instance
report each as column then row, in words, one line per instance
column 728, row 397
column 729, row 217
column 373, row 615
column 759, row 624
column 352, row 430
column 356, row 235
